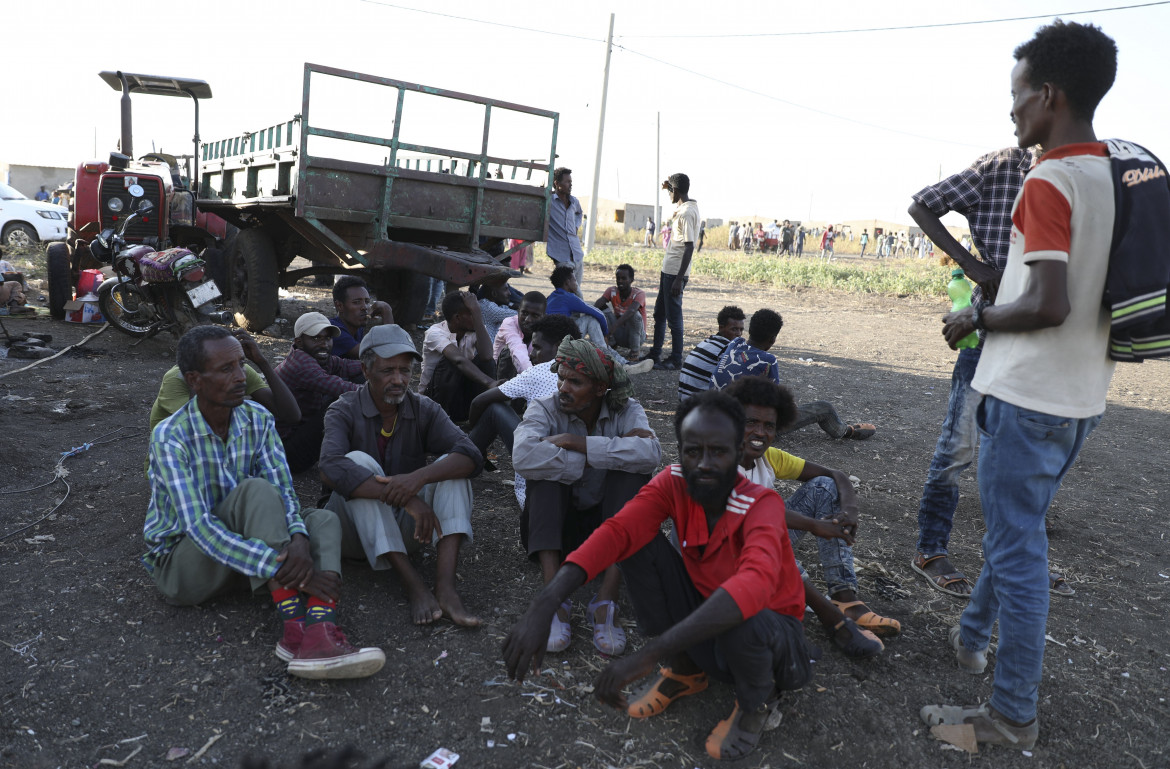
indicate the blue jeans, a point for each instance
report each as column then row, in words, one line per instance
column 435, row 296
column 953, row 454
column 1025, row 456
column 819, row 499
column 668, row 312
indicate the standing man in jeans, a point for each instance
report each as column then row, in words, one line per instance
column 676, row 267
column 1045, row 370
column 564, row 220
column 983, row 193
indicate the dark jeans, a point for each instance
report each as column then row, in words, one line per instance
column 455, row 392
column 498, row 420
column 954, row 453
column 767, row 651
column 302, row 446
column 668, row 312
column 551, row 521
column 823, row 414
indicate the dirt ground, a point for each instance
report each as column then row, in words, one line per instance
column 96, row 668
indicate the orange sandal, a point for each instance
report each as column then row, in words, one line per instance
column 729, row 741
column 882, row 627
column 651, row 701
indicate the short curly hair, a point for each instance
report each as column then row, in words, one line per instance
column 730, row 312
column 763, row 392
column 1079, row 59
column 560, row 275
column 765, row 324
column 191, row 354
column 716, row 400
column 344, row 284
column 555, row 328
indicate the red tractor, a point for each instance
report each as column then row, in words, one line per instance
column 101, row 196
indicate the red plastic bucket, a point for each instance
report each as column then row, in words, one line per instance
column 88, row 282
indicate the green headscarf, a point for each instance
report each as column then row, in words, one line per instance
column 586, row 358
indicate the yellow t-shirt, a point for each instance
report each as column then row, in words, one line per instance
column 774, row 465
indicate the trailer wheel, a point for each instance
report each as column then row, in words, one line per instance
column 405, row 291
column 60, row 275
column 253, row 279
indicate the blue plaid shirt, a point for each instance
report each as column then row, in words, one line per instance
column 563, row 246
column 192, row 470
column 984, row 193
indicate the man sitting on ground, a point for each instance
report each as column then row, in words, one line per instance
column 750, row 357
column 584, row 454
column 356, row 314
column 565, row 300
column 316, row 377
column 457, row 363
column 624, row 307
column 387, row 497
column 510, row 348
column 495, row 305
column 825, row 505
column 496, row 412
column 728, row 605
column 223, row 508
column 268, row 390
column 695, row 375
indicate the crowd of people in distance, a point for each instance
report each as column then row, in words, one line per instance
column 721, row 593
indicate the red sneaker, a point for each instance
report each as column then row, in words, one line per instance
column 325, row 653
column 288, row 646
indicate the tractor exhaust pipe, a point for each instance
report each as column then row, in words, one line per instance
column 127, row 143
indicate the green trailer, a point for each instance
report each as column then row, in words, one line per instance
column 413, row 212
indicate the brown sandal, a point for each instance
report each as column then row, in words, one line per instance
column 940, row 582
column 861, row 431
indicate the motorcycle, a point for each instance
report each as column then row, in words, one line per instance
column 153, row 291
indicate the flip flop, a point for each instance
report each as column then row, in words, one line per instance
column 651, row 701
column 728, row 741
column 880, row 626
column 940, row 582
column 1058, row 585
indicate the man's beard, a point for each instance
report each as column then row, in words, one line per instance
column 393, row 400
column 717, row 492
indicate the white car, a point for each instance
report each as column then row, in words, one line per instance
column 24, row 222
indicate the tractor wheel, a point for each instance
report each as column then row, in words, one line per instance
column 252, row 261
column 60, row 277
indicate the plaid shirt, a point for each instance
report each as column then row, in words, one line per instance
column 192, row 470
column 313, row 385
column 984, row 193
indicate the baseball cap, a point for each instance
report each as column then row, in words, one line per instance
column 387, row 341
column 313, row 323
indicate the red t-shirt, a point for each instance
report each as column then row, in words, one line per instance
column 637, row 295
column 748, row 554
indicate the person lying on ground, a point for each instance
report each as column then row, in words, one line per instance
column 265, row 387
column 584, row 454
column 315, row 377
column 727, row 603
column 624, row 308
column 750, row 357
column 511, row 346
column 825, row 505
column 223, row 511
column 390, row 501
column 457, row 363
column 496, row 412
column 356, row 314
column 695, row 375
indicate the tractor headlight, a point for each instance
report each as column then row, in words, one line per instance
column 115, row 204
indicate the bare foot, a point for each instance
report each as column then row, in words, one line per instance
column 424, row 609
column 451, row 606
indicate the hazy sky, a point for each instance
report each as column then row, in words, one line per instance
column 841, row 126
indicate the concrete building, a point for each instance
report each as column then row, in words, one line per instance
column 613, row 213
column 29, row 179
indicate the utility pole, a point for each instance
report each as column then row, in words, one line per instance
column 657, row 179
column 591, row 226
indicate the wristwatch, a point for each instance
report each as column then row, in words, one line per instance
column 977, row 316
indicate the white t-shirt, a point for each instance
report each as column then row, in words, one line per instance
column 533, row 383
column 437, row 339
column 684, row 227
column 1064, row 212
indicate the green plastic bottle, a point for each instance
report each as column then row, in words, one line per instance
column 960, row 292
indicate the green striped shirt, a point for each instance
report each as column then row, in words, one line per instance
column 192, row 470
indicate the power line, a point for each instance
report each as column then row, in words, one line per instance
column 781, row 100
column 899, row 28
column 487, row 21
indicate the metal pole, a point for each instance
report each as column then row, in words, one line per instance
column 591, row 227
column 657, row 179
